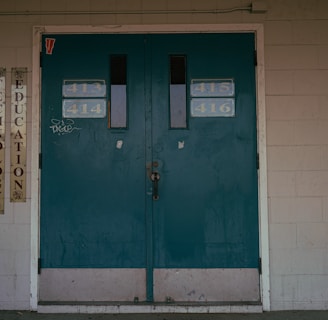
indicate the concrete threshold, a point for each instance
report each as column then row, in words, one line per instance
column 125, row 308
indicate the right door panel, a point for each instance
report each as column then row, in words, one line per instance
column 206, row 241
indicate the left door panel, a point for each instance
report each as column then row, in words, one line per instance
column 93, row 224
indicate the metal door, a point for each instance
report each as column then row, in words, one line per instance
column 149, row 178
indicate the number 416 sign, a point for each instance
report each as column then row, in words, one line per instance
column 212, row 98
column 212, row 107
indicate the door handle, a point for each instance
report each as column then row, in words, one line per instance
column 155, row 178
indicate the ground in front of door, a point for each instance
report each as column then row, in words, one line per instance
column 277, row 315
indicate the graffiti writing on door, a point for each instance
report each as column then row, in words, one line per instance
column 62, row 127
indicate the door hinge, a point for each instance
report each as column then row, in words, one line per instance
column 255, row 58
column 40, row 59
column 257, row 161
column 40, row 161
column 260, row 265
column 39, row 265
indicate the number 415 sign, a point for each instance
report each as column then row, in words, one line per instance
column 212, row 98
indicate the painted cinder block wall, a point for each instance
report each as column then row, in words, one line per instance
column 296, row 68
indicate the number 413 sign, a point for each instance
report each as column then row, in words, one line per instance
column 84, row 98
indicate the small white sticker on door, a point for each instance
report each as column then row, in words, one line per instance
column 180, row 144
column 119, row 144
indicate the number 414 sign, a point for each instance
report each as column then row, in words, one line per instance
column 84, row 98
column 84, row 108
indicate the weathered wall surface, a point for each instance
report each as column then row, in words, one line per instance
column 296, row 51
column 296, row 37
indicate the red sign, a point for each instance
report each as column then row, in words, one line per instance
column 50, row 43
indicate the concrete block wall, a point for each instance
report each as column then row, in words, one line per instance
column 15, row 51
column 296, row 51
column 297, row 128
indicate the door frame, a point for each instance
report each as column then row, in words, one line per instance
column 258, row 31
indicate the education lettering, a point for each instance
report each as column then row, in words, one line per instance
column 18, row 135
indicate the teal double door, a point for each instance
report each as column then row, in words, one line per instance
column 149, row 187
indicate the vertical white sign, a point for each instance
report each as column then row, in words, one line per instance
column 18, row 135
column 2, row 136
